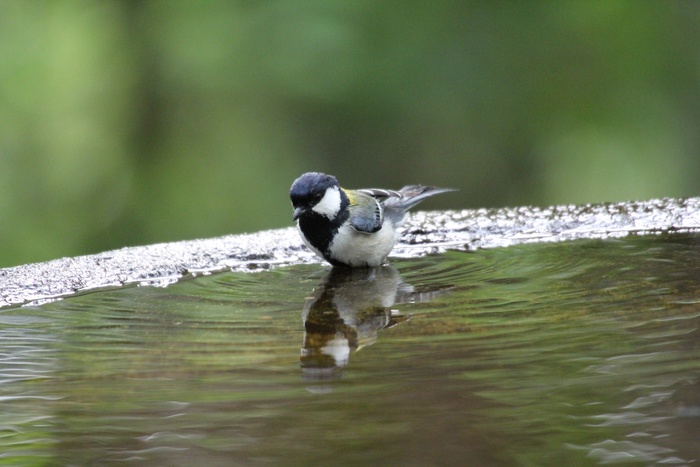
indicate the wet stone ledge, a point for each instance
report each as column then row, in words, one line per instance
column 425, row 233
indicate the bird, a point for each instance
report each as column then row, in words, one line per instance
column 355, row 228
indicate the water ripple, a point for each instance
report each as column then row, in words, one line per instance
column 560, row 354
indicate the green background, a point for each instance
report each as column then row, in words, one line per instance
column 135, row 122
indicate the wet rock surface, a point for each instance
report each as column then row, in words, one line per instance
column 425, row 233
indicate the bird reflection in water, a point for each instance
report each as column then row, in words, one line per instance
column 345, row 313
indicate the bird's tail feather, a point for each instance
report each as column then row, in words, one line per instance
column 412, row 195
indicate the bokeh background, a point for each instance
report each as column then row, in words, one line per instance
column 136, row 122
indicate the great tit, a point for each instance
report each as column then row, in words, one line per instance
column 356, row 228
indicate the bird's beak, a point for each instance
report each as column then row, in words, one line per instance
column 297, row 212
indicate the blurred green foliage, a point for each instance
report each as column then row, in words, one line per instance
column 134, row 122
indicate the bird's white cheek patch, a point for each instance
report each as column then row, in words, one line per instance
column 329, row 204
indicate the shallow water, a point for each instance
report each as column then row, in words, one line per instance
column 575, row 353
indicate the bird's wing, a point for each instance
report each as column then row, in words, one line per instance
column 366, row 208
column 380, row 193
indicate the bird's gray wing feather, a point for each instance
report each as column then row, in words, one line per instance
column 380, row 193
column 366, row 209
column 373, row 204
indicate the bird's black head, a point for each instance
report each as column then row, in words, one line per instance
column 308, row 190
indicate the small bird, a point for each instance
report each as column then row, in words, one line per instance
column 356, row 228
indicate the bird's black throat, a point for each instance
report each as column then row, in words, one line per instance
column 320, row 231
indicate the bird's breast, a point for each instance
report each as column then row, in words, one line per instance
column 317, row 231
column 363, row 249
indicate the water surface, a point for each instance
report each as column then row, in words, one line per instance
column 575, row 353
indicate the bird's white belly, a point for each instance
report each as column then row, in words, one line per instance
column 362, row 249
